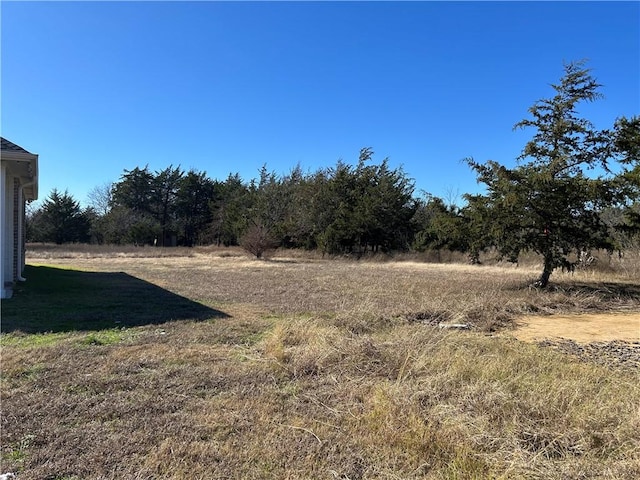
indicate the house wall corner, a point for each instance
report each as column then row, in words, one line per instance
column 6, row 262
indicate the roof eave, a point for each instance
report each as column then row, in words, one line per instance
column 30, row 181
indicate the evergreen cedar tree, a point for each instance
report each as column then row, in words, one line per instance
column 551, row 203
column 59, row 220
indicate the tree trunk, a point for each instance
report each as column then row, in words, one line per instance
column 543, row 281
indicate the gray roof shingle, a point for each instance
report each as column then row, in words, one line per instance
column 7, row 146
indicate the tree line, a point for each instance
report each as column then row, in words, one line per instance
column 574, row 188
column 342, row 209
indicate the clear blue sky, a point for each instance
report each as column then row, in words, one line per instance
column 224, row 87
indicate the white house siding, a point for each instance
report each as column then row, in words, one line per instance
column 8, row 229
column 18, row 183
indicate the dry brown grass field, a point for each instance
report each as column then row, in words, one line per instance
column 146, row 363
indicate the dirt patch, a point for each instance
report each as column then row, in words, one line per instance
column 608, row 339
column 584, row 328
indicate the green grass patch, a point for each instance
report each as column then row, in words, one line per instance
column 37, row 340
column 17, row 453
column 20, row 339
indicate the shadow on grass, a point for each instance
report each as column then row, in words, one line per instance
column 606, row 291
column 59, row 300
